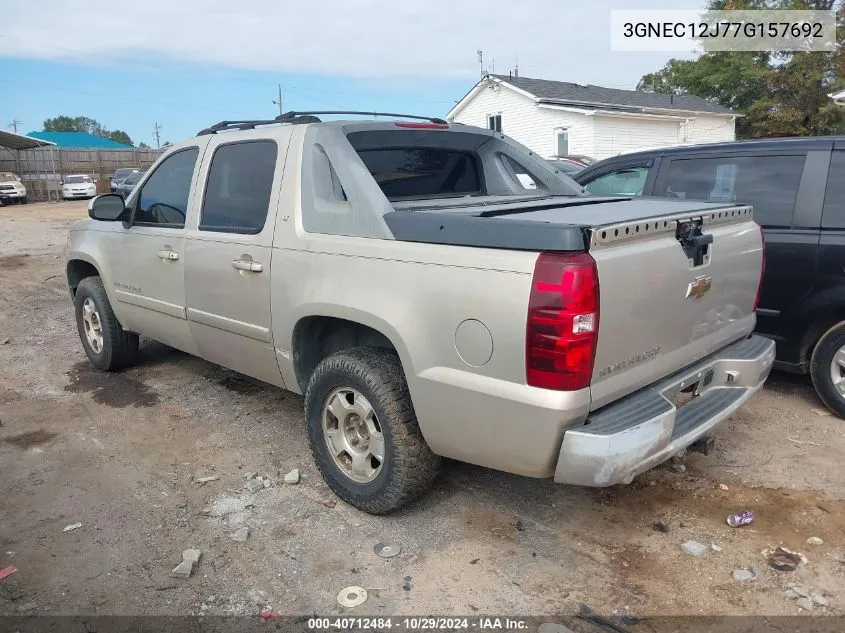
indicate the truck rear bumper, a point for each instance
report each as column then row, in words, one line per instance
column 632, row 435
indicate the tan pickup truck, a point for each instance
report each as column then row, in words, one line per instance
column 427, row 301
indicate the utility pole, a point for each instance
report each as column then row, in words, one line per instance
column 14, row 125
column 156, row 130
column 481, row 61
column 279, row 102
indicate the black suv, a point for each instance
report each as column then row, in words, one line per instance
column 797, row 189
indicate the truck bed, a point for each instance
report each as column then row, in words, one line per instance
column 534, row 223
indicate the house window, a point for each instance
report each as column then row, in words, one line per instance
column 494, row 122
column 561, row 142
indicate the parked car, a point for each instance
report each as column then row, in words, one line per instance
column 797, row 189
column 120, row 175
column 568, row 167
column 11, row 189
column 125, row 187
column 426, row 304
column 581, row 159
column 78, row 186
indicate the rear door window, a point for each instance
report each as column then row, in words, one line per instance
column 240, row 181
column 627, row 181
column 423, row 172
column 833, row 216
column 768, row 183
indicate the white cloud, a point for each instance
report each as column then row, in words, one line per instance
column 555, row 39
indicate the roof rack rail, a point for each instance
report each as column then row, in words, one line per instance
column 288, row 116
column 304, row 117
column 238, row 125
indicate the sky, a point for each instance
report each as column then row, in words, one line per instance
column 185, row 64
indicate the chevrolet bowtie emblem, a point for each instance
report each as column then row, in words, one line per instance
column 698, row 287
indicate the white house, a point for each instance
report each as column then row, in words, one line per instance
column 555, row 118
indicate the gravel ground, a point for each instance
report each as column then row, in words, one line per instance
column 121, row 454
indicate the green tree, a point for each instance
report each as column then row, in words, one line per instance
column 143, row 145
column 778, row 93
column 61, row 123
column 121, row 137
column 64, row 123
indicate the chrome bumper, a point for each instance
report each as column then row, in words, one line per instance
column 632, row 435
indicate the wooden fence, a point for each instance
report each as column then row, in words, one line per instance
column 42, row 169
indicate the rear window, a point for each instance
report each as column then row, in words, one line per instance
column 423, row 172
column 122, row 173
column 76, row 180
column 768, row 183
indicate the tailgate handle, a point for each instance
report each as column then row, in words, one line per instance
column 693, row 241
column 699, row 241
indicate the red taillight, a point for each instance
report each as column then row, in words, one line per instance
column 422, row 126
column 563, row 321
column 762, row 269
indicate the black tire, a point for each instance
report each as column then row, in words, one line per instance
column 24, row 200
column 409, row 466
column 820, row 368
column 120, row 348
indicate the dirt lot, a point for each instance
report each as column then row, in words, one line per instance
column 119, row 453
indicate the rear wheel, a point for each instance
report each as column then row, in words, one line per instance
column 363, row 431
column 827, row 369
column 109, row 347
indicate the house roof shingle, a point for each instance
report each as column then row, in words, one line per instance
column 576, row 94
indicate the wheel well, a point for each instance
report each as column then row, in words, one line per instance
column 77, row 270
column 316, row 337
column 814, row 333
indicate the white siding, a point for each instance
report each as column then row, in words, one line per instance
column 620, row 135
column 711, row 129
column 599, row 135
column 524, row 122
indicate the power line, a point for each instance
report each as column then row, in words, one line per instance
column 140, row 62
column 123, row 98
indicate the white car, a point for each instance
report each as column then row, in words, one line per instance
column 78, row 186
column 11, row 188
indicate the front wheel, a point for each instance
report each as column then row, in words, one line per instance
column 109, row 347
column 827, row 369
column 24, row 200
column 363, row 431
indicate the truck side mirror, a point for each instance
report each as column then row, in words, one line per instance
column 107, row 207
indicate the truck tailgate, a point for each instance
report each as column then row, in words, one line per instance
column 677, row 278
column 673, row 289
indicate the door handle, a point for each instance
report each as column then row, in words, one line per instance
column 168, row 255
column 246, row 264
